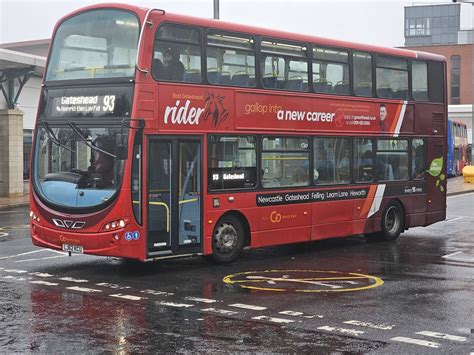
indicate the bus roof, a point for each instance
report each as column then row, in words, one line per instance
column 289, row 36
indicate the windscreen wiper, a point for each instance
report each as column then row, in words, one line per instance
column 84, row 139
column 53, row 138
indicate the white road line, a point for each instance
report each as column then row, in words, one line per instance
column 429, row 344
column 202, row 300
column 48, row 257
column 274, row 320
column 15, row 278
column 224, row 312
column 442, row 336
column 452, row 254
column 291, row 313
column 21, row 254
column 113, row 286
column 71, row 279
column 248, row 306
column 40, row 274
column 342, row 330
column 46, row 283
column 59, row 252
column 16, row 271
column 157, row 293
column 83, row 289
column 173, row 304
column 127, row 297
column 369, row 325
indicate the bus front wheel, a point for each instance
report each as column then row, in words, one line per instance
column 393, row 223
column 227, row 240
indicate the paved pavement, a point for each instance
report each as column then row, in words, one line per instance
column 455, row 186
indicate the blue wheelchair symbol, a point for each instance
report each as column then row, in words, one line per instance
column 128, row 236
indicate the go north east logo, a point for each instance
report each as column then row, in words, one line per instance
column 435, row 169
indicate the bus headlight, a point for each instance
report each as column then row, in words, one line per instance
column 114, row 225
column 34, row 217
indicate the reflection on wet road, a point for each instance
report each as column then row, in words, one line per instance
column 422, row 303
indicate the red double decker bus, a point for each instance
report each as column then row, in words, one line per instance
column 160, row 135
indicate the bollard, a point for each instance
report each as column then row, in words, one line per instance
column 468, row 173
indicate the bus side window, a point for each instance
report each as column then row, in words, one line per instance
column 284, row 66
column 332, row 161
column 392, row 159
column 418, row 164
column 362, row 73
column 285, row 161
column 230, row 59
column 331, row 71
column 232, row 162
column 363, row 164
column 392, row 77
column 177, row 54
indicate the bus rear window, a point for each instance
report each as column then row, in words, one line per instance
column 94, row 44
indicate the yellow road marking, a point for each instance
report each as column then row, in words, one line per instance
column 306, row 280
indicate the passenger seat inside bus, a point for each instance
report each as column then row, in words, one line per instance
column 192, row 76
column 240, row 79
column 213, row 75
column 322, row 86
column 224, row 78
column 294, row 83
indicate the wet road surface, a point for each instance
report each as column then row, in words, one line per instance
column 414, row 295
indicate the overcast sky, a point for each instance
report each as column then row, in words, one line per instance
column 378, row 22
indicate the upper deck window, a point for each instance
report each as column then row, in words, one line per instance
column 331, row 71
column 94, row 44
column 284, row 66
column 177, row 55
column 392, row 77
column 230, row 59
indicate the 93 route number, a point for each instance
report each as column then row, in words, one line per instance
column 109, row 103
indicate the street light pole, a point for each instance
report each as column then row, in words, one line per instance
column 471, row 2
column 216, row 9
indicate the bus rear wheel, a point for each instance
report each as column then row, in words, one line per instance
column 227, row 240
column 393, row 223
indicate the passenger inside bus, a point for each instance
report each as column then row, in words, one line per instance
column 171, row 68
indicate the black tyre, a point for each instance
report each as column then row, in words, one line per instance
column 227, row 240
column 393, row 223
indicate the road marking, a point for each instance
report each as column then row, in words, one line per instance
column 59, row 252
column 198, row 299
column 46, row 283
column 248, row 306
column 342, row 330
column 83, row 289
column 127, row 297
column 274, row 320
column 173, row 304
column 40, row 274
column 442, row 336
column 15, row 278
column 45, row 258
column 429, row 344
column 370, row 325
column 224, row 312
column 71, row 279
column 16, row 271
column 303, row 281
column 451, row 255
column 113, row 286
column 3, row 235
column 460, row 256
column 157, row 293
column 299, row 314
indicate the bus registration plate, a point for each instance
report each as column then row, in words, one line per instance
column 79, row 249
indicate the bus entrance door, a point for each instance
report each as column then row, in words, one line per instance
column 174, row 196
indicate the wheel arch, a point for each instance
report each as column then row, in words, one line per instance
column 245, row 224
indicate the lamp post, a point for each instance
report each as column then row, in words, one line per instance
column 471, row 2
column 216, row 9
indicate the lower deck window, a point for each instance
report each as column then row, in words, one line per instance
column 232, row 162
